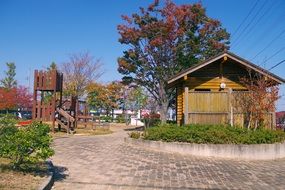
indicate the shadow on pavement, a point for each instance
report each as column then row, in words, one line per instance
column 59, row 173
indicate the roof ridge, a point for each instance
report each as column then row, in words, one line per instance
column 218, row 56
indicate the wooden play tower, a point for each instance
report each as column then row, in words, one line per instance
column 48, row 104
column 47, row 86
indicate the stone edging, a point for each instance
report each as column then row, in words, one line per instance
column 48, row 183
column 232, row 151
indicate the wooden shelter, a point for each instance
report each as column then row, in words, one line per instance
column 204, row 91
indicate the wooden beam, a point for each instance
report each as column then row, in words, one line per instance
column 186, row 102
column 231, row 112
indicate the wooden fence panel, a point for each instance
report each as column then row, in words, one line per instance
column 208, row 118
column 215, row 108
column 208, row 102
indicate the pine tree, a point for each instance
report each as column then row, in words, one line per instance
column 9, row 81
column 52, row 66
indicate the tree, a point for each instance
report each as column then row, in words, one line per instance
column 23, row 98
column 7, row 98
column 14, row 98
column 9, row 81
column 163, row 40
column 136, row 99
column 52, row 66
column 106, row 97
column 78, row 72
column 258, row 101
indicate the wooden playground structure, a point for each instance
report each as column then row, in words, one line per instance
column 48, row 103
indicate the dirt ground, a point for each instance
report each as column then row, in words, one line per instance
column 24, row 180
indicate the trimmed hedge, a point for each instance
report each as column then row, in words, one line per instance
column 213, row 134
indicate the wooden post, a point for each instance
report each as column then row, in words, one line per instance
column 35, row 96
column 186, row 95
column 231, row 114
column 53, row 110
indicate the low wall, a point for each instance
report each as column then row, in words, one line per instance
column 233, row 151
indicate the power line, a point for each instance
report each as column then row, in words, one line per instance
column 249, row 13
column 269, row 44
column 277, row 65
column 250, row 22
column 276, row 53
column 259, row 19
column 266, row 32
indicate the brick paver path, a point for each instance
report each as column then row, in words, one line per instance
column 106, row 162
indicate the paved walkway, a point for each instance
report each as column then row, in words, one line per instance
column 105, row 162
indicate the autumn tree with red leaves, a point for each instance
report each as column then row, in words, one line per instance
column 11, row 95
column 164, row 39
column 259, row 101
column 15, row 98
column 7, row 98
column 24, row 98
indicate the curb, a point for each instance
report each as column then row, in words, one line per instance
column 48, row 183
column 224, row 151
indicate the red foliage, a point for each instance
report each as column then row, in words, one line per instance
column 19, row 97
column 151, row 116
column 7, row 98
column 260, row 100
column 24, row 98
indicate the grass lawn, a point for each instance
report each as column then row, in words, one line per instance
column 30, row 179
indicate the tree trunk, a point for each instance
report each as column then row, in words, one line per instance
column 163, row 108
column 163, row 103
column 112, row 115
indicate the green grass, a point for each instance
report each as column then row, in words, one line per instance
column 213, row 134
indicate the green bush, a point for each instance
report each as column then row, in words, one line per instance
column 25, row 145
column 106, row 118
column 7, row 120
column 7, row 130
column 120, row 119
column 213, row 134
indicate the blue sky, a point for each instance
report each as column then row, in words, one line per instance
column 33, row 33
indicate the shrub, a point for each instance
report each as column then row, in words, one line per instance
column 151, row 119
column 134, row 135
column 171, row 121
column 26, row 145
column 7, row 130
column 7, row 120
column 213, row 134
column 106, row 118
column 120, row 119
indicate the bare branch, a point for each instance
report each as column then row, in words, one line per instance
column 80, row 70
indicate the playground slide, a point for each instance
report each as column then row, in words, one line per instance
column 65, row 114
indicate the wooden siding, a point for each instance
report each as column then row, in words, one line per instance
column 211, row 83
column 179, row 109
